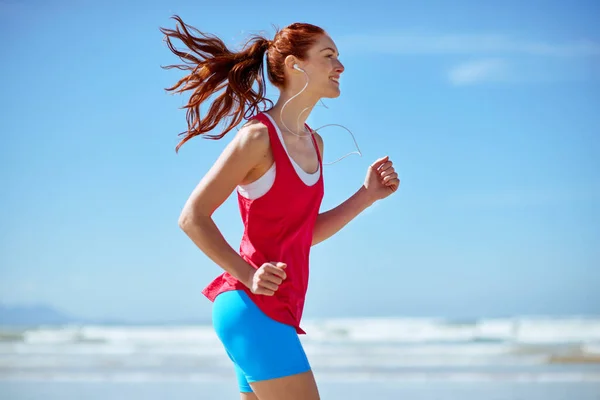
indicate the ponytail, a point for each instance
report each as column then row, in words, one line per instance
column 214, row 68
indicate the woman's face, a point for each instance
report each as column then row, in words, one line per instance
column 323, row 68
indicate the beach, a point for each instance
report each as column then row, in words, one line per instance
column 364, row 358
column 328, row 391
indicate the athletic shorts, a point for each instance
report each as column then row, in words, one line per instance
column 260, row 347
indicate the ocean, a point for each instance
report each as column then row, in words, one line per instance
column 378, row 358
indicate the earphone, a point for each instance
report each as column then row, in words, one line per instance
column 308, row 131
column 309, row 134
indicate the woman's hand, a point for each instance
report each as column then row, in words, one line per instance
column 381, row 180
column 266, row 279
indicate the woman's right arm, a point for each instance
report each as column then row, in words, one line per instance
column 242, row 154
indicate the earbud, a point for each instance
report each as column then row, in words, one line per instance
column 298, row 68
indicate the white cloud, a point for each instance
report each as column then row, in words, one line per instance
column 456, row 44
column 530, row 60
column 478, row 71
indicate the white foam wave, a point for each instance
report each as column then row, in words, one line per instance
column 116, row 335
column 324, row 376
column 363, row 330
column 399, row 330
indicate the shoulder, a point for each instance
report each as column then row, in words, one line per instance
column 319, row 140
column 254, row 137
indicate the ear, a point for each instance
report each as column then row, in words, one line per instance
column 290, row 61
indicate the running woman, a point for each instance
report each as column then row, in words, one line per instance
column 274, row 163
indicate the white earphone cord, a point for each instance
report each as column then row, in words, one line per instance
column 316, row 130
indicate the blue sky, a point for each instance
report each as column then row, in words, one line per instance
column 490, row 113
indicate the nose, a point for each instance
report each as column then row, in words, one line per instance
column 340, row 67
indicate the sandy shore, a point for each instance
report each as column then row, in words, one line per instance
column 329, row 391
column 575, row 359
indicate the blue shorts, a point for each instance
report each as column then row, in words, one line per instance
column 260, row 347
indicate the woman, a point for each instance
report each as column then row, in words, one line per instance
column 275, row 164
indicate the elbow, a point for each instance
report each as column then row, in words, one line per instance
column 185, row 220
column 189, row 219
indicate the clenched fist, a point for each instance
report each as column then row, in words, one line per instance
column 382, row 179
column 266, row 279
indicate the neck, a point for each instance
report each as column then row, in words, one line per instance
column 296, row 111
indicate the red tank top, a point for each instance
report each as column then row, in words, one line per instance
column 278, row 226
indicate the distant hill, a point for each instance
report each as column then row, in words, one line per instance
column 33, row 315
column 46, row 315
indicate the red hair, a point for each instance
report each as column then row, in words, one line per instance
column 214, row 68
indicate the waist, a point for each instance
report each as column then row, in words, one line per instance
column 285, row 306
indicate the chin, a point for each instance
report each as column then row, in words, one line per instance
column 332, row 94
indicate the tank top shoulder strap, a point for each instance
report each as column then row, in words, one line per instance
column 276, row 146
column 314, row 140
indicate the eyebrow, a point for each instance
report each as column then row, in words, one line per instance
column 332, row 49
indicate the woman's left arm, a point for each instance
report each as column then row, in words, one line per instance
column 381, row 181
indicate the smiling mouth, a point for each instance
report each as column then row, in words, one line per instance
column 336, row 80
